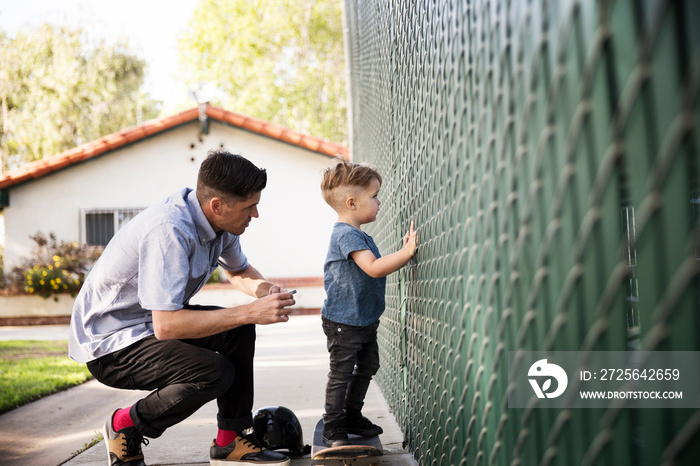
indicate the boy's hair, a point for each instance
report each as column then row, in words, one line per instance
column 228, row 176
column 346, row 174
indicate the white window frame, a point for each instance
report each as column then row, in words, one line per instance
column 118, row 220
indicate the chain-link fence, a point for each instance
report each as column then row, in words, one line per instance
column 548, row 152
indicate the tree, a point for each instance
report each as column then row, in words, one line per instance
column 278, row 60
column 57, row 91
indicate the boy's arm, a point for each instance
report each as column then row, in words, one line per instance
column 383, row 266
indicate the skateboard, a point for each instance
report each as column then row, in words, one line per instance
column 361, row 451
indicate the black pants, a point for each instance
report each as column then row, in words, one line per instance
column 354, row 359
column 184, row 375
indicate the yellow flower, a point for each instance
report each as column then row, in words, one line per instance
column 58, row 280
column 42, row 282
column 31, row 290
column 56, row 258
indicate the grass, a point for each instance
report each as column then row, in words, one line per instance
column 30, row 370
column 97, row 438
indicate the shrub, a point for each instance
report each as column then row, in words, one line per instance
column 54, row 267
column 216, row 277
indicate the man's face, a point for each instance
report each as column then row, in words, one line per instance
column 236, row 217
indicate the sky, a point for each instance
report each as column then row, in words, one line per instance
column 151, row 28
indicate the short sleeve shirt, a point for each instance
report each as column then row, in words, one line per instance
column 157, row 261
column 352, row 296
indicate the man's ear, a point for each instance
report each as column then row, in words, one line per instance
column 216, row 205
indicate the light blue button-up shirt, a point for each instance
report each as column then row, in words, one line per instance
column 157, row 261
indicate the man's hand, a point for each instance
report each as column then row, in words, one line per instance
column 188, row 323
column 273, row 308
column 275, row 289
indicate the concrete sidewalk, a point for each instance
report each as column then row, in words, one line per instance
column 290, row 369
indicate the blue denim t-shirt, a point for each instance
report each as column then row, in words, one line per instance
column 352, row 296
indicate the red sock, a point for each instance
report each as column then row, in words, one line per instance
column 225, row 437
column 122, row 419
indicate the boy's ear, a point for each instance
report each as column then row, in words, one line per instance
column 350, row 203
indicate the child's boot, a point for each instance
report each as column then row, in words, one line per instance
column 360, row 425
column 335, row 434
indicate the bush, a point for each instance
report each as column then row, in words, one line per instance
column 54, row 267
column 216, row 277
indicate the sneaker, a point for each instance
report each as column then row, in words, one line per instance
column 124, row 445
column 360, row 425
column 335, row 436
column 244, row 450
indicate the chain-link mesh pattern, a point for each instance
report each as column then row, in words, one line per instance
column 548, row 153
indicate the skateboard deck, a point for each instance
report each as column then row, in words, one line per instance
column 361, row 451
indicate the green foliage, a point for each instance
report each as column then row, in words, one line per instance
column 281, row 61
column 97, row 438
column 32, row 369
column 57, row 91
column 44, row 280
column 216, row 277
column 54, row 267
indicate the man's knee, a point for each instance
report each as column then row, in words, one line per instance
column 221, row 374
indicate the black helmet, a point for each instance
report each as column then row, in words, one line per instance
column 278, row 428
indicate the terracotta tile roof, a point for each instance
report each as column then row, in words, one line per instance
column 34, row 170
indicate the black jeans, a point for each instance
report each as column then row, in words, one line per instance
column 185, row 375
column 354, row 359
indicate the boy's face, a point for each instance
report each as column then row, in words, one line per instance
column 367, row 202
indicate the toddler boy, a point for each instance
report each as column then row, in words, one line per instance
column 354, row 278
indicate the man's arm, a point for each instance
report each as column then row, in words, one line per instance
column 270, row 308
column 251, row 282
column 187, row 323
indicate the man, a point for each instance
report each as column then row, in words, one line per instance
column 134, row 327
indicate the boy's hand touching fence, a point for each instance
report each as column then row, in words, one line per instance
column 410, row 240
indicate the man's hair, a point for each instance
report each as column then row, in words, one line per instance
column 228, row 176
column 346, row 174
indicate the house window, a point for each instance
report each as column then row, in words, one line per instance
column 100, row 225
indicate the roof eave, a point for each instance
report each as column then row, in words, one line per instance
column 112, row 142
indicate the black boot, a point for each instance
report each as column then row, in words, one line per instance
column 360, row 425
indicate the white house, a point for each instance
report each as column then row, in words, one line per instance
column 85, row 194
